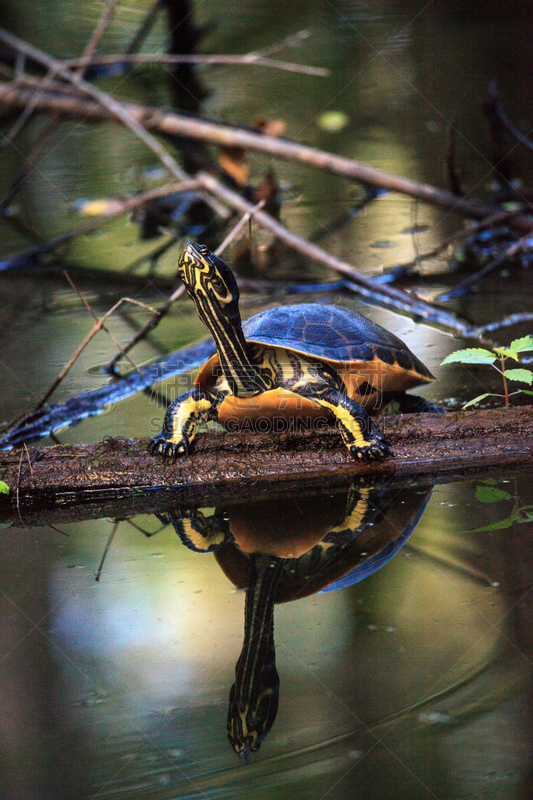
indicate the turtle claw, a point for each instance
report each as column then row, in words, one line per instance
column 376, row 449
column 159, row 444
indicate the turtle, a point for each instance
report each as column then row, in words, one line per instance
column 317, row 364
column 282, row 549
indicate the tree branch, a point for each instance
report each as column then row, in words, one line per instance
column 168, row 122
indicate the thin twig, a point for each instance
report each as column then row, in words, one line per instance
column 238, row 228
column 49, row 525
column 154, row 320
column 30, row 162
column 104, row 328
column 18, row 486
column 92, row 333
column 105, row 18
column 288, row 41
column 497, row 107
column 29, row 109
column 144, row 28
column 28, row 457
column 164, row 58
column 106, row 550
column 121, row 207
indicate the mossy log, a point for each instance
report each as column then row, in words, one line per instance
column 238, row 466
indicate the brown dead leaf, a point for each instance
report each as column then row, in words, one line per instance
column 270, row 127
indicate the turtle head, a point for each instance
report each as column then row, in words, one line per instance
column 210, row 283
column 212, row 286
column 250, row 718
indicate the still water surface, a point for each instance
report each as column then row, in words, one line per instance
column 412, row 683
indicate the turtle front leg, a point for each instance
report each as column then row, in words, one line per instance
column 196, row 531
column 182, row 418
column 361, row 438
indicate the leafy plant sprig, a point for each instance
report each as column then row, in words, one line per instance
column 497, row 358
column 488, row 492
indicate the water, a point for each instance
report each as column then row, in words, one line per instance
column 414, row 682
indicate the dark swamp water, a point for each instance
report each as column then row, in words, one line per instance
column 411, row 676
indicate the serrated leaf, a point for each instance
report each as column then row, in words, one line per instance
column 4, row 488
column 476, row 399
column 494, row 526
column 523, row 375
column 490, row 494
column 520, row 345
column 472, row 355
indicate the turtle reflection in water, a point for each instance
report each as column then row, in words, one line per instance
column 281, row 550
column 304, row 362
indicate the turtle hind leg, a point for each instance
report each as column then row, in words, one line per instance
column 412, row 404
column 182, row 418
column 364, row 441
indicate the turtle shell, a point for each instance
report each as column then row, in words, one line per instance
column 362, row 352
column 340, row 336
column 332, row 333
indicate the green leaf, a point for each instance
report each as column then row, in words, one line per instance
column 507, row 352
column 4, row 488
column 476, row 399
column 525, row 391
column 490, row 494
column 494, row 526
column 7, row 524
column 520, row 345
column 472, row 355
column 523, row 375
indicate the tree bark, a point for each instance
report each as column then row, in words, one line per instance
column 236, row 466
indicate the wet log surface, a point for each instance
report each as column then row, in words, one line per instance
column 240, row 466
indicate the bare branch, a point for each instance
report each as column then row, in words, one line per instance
column 92, row 333
column 163, row 58
column 364, row 285
column 107, row 15
column 180, row 125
